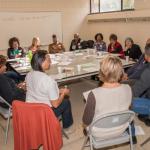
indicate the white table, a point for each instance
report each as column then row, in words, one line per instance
column 68, row 61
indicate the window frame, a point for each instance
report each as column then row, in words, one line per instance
column 122, row 10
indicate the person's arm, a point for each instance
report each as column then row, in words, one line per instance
column 109, row 48
column 7, row 90
column 63, row 47
column 89, row 110
column 50, row 49
column 142, row 85
column 127, row 51
column 22, row 52
column 139, row 52
column 71, row 46
column 55, row 103
column 104, row 47
column 131, row 70
column 9, row 54
column 55, row 95
column 117, row 49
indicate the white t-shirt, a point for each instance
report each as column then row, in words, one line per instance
column 41, row 88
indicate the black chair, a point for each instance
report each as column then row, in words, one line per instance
column 84, row 44
column 90, row 43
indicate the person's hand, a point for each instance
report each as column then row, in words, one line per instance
column 126, row 48
column 125, row 77
column 17, row 56
column 54, row 47
column 64, row 91
column 22, row 85
column 59, row 47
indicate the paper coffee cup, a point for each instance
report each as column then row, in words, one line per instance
column 59, row 70
column 79, row 68
column 127, row 58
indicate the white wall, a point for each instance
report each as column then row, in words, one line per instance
column 74, row 13
column 139, row 31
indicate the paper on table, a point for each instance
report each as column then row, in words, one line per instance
column 58, row 76
column 66, row 63
column 10, row 60
column 68, row 68
column 52, row 56
column 88, row 65
column 100, row 57
column 23, row 68
column 139, row 130
column 90, row 69
column 78, row 54
column 54, row 62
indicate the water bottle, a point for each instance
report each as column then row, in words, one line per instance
column 79, row 46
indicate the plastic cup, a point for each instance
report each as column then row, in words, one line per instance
column 59, row 70
column 79, row 68
column 127, row 59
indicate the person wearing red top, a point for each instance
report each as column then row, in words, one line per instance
column 114, row 46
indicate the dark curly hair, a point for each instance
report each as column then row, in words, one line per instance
column 12, row 40
column 99, row 34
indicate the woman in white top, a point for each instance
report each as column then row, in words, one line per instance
column 41, row 88
column 110, row 97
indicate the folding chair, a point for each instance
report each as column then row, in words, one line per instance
column 63, row 132
column 6, row 114
column 110, row 121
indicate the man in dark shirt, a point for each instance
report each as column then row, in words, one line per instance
column 141, row 89
column 75, row 43
column 8, row 89
column 135, row 71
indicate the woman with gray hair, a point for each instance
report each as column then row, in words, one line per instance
column 132, row 50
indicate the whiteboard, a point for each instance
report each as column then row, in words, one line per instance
column 26, row 25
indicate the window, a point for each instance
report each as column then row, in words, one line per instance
column 97, row 6
column 128, row 4
column 94, row 6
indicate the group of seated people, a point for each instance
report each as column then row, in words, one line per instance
column 42, row 88
column 130, row 48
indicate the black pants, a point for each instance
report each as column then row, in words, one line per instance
column 64, row 110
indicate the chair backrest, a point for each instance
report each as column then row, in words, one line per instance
column 2, row 100
column 5, row 112
column 84, row 44
column 113, row 120
column 38, row 125
column 90, row 43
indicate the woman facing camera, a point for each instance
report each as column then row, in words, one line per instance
column 14, row 50
column 76, row 43
column 35, row 45
column 41, row 88
column 132, row 50
column 99, row 44
column 111, row 97
column 56, row 46
column 114, row 46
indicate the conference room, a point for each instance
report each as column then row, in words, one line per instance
column 74, row 75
